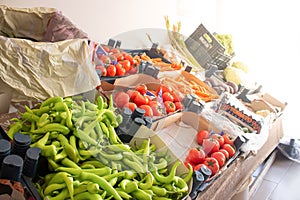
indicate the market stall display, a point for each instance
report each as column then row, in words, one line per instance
column 151, row 129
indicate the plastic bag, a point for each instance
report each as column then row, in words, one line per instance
column 40, row 70
column 42, row 54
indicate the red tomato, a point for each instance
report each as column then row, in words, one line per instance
column 196, row 156
column 132, row 94
column 120, row 70
column 210, row 145
column 111, row 70
column 133, row 70
column 115, row 50
column 178, row 105
column 106, row 48
column 219, row 138
column 142, row 88
column 113, row 58
column 219, row 156
column 212, row 164
column 226, row 154
column 149, row 98
column 199, row 166
column 125, row 64
column 148, row 110
column 228, row 139
column 230, row 149
column 129, row 58
column 170, row 106
column 104, row 59
column 121, row 98
column 102, row 69
column 141, row 100
column 201, row 135
column 163, row 89
column 154, row 103
column 176, row 96
column 119, row 56
column 132, row 106
column 167, row 96
column 157, row 110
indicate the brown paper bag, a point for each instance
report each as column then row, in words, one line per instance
column 42, row 54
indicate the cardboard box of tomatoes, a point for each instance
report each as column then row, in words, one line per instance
column 199, row 142
column 112, row 63
column 146, row 92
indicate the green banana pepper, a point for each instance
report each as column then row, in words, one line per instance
column 141, row 194
column 51, row 101
column 128, row 185
column 169, row 178
column 52, row 127
column 102, row 183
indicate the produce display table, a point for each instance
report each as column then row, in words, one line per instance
column 152, row 80
column 238, row 172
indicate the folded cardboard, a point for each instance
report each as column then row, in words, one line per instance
column 179, row 131
column 267, row 102
column 145, row 133
column 129, row 82
column 5, row 99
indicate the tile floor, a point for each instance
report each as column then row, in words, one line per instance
column 281, row 182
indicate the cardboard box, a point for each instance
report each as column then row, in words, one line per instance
column 179, row 133
column 5, row 97
column 5, row 100
column 145, row 133
column 267, row 102
column 130, row 82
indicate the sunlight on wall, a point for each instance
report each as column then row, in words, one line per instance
column 266, row 38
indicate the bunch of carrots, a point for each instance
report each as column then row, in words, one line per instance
column 185, row 86
column 158, row 62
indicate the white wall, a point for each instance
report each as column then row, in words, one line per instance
column 266, row 35
column 103, row 19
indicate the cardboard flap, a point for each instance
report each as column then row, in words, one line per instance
column 135, row 79
column 145, row 133
column 260, row 104
column 272, row 100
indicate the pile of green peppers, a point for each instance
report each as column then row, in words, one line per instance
column 86, row 158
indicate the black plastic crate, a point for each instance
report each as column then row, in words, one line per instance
column 206, row 49
column 30, row 191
